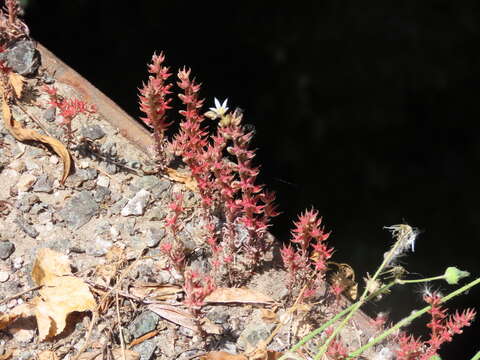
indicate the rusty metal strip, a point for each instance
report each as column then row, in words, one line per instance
column 127, row 126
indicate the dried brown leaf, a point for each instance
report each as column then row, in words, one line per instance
column 155, row 291
column 49, row 265
column 238, row 295
column 62, row 296
column 16, row 81
column 222, row 355
column 171, row 313
column 22, row 134
column 181, row 177
column 20, row 311
column 47, row 355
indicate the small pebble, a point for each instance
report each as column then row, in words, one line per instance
column 103, row 181
column 17, row 263
column 83, row 164
column 4, row 276
column 136, row 205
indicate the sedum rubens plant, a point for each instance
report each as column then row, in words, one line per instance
column 306, row 261
column 68, row 110
column 154, row 103
column 223, row 184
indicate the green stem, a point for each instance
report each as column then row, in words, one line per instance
column 317, row 331
column 360, row 302
column 476, row 356
column 409, row 319
column 402, row 282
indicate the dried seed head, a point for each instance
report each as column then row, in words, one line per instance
column 405, row 237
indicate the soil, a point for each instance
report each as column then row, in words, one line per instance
column 108, row 218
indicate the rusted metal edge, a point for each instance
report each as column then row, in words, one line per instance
column 116, row 116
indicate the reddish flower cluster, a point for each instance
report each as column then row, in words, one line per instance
column 197, row 287
column 336, row 349
column 442, row 328
column 245, row 199
column 176, row 250
column 68, row 109
column 310, row 252
column 154, row 101
column 191, row 140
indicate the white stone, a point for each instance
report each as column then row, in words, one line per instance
column 103, row 181
column 83, row 164
column 17, row 263
column 136, row 205
column 4, row 276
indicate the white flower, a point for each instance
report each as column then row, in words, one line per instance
column 218, row 111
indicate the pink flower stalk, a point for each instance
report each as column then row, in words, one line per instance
column 311, row 251
column 442, row 328
column 175, row 251
column 176, row 206
column 253, row 207
column 191, row 141
column 154, row 102
column 68, row 109
column 197, row 287
column 336, row 350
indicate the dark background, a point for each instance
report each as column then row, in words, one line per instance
column 367, row 111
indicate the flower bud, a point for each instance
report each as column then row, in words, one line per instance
column 453, row 275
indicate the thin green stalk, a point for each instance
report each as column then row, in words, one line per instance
column 387, row 260
column 476, row 356
column 410, row 318
column 413, row 281
column 317, row 331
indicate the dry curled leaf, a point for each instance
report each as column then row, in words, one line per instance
column 181, row 177
column 47, row 355
column 59, row 298
column 16, row 81
column 238, row 295
column 20, row 311
column 61, row 295
column 155, row 291
column 171, row 313
column 49, row 265
column 22, row 134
